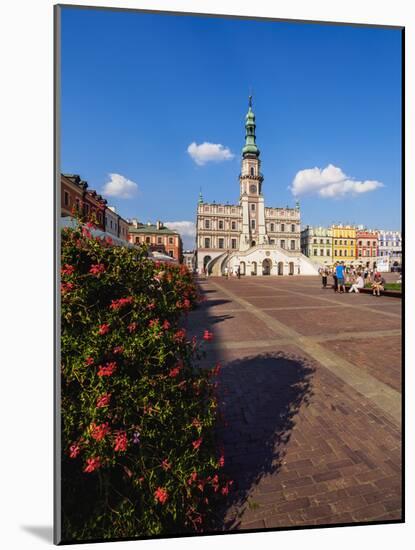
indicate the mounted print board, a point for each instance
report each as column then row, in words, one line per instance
column 229, row 274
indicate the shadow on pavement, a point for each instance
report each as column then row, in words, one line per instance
column 259, row 396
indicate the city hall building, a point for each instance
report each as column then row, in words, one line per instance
column 249, row 236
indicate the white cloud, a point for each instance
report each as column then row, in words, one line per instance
column 187, row 231
column 330, row 182
column 119, row 186
column 209, row 152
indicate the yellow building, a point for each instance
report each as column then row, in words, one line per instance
column 344, row 243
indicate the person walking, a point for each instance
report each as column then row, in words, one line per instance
column 340, row 277
column 334, row 275
column 238, row 272
column 324, row 278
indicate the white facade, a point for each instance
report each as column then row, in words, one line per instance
column 111, row 221
column 259, row 239
column 390, row 247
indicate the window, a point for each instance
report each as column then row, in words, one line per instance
column 86, row 207
column 221, row 243
column 252, row 171
column 368, row 243
column 282, row 227
column 206, row 208
column 335, row 253
column 340, row 242
column 374, row 243
column 233, row 225
column 148, row 240
column 282, row 243
column 360, row 253
column 171, row 253
column 321, row 241
column 233, row 243
column 66, row 198
column 272, row 227
column 315, row 252
column 252, row 224
column 321, row 252
column 272, row 241
column 345, row 252
column 220, row 224
column 137, row 240
column 207, row 242
column 253, row 206
column 292, row 228
column 367, row 252
column 207, row 224
column 314, row 241
column 170, row 240
column 111, row 224
column 328, row 241
column 340, row 252
column 335, row 242
column 292, row 245
column 159, row 240
column 328, row 252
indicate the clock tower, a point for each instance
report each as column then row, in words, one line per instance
column 250, row 181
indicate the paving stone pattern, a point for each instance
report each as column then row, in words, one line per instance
column 310, row 391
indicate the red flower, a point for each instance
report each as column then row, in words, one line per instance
column 225, row 490
column 166, row 465
column 108, row 240
column 186, row 304
column 132, row 327
column 67, row 269
column 222, row 461
column 196, row 444
column 196, row 423
column 67, row 287
column 118, row 349
column 161, row 495
column 103, row 400
column 174, row 372
column 153, row 323
column 166, row 325
column 108, row 369
column 92, row 464
column 90, row 225
column 121, row 442
column 74, row 450
column 99, row 432
column 179, row 335
column 192, row 478
column 151, row 306
column 97, row 269
column 86, row 232
column 118, row 304
column 89, row 361
column 104, row 329
column 207, row 335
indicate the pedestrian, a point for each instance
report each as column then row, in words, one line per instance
column 378, row 284
column 227, row 272
column 340, row 277
column 357, row 284
column 238, row 272
column 334, row 274
column 324, row 278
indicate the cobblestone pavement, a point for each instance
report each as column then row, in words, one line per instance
column 310, row 389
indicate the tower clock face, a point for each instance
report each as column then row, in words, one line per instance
column 252, row 189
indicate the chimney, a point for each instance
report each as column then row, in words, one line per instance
column 159, row 225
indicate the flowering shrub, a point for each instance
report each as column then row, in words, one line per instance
column 139, row 456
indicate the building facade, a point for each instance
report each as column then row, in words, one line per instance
column 157, row 237
column 249, row 236
column 111, row 221
column 189, row 259
column 390, row 247
column 344, row 243
column 72, row 194
column 316, row 243
column 366, row 248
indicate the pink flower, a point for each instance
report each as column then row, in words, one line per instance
column 118, row 350
column 222, row 461
column 67, row 287
column 74, row 450
column 121, row 442
column 166, row 465
column 186, row 304
column 92, row 464
column 196, row 444
column 179, row 335
column 166, row 325
column 196, row 423
column 132, row 327
column 89, row 361
column 161, row 495
column 118, row 304
column 174, row 372
column 207, row 335
column 67, row 269
column 192, row 478
column 97, row 269
column 225, row 490
column 103, row 329
column 153, row 323
column 103, row 400
column 151, row 306
column 108, row 369
column 99, row 432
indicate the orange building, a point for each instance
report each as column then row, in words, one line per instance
column 157, row 237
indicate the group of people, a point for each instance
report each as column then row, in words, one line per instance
column 356, row 277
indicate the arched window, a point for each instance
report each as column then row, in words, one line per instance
column 252, row 171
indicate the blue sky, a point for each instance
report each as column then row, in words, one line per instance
column 138, row 89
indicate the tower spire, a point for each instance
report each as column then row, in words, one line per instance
column 250, row 148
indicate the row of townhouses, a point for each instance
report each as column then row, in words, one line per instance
column 353, row 245
column 78, row 199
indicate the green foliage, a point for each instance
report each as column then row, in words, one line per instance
column 139, row 456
